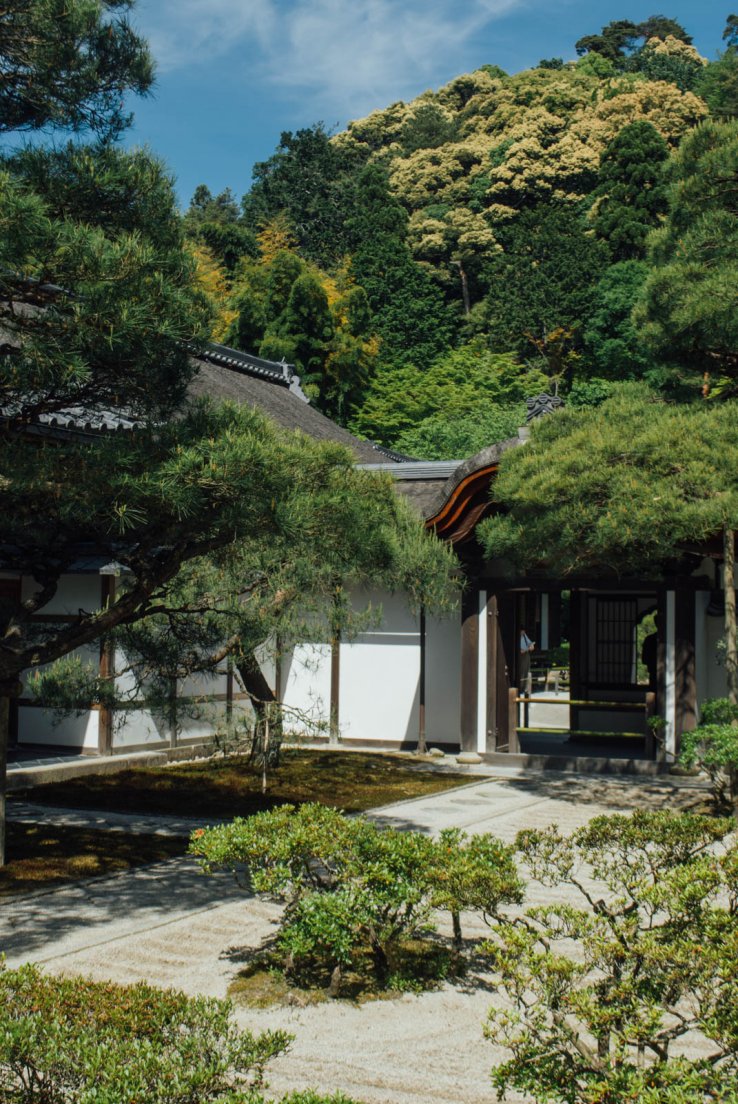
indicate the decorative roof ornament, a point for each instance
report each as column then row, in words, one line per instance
column 540, row 405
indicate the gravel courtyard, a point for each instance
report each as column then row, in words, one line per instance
column 172, row 926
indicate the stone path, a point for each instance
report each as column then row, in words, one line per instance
column 171, row 925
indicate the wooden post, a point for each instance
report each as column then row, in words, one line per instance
column 661, row 653
column 650, row 746
column 422, row 746
column 469, row 668
column 229, row 692
column 577, row 654
column 335, row 688
column 107, row 671
column 513, row 745
column 173, row 720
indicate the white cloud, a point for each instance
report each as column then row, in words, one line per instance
column 191, row 32
column 344, row 57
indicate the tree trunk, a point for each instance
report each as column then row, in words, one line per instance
column 4, row 740
column 731, row 649
column 262, row 696
column 381, row 963
column 335, row 985
column 8, row 691
column 456, row 921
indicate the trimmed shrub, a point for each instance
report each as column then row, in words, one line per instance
column 75, row 1041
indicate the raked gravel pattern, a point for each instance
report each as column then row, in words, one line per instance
column 171, row 925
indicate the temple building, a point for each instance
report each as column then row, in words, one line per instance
column 619, row 667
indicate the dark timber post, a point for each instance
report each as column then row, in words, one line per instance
column 685, row 696
column 107, row 671
column 577, row 653
column 469, row 668
column 421, row 687
column 335, row 687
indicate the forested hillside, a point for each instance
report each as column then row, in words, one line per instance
column 563, row 228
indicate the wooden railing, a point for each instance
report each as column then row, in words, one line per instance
column 646, row 708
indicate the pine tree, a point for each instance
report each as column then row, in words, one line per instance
column 631, row 193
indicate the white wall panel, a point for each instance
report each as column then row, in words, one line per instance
column 442, row 680
column 75, row 592
column 37, row 726
column 380, row 673
column 306, row 682
column 136, row 727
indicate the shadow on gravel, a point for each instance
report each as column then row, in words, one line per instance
column 618, row 794
column 60, row 921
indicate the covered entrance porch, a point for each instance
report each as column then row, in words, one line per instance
column 613, row 677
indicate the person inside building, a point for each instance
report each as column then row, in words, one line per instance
column 525, row 648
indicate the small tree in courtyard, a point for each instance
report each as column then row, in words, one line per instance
column 632, row 994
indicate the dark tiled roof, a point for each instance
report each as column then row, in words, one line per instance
column 77, row 420
column 274, row 389
column 421, row 494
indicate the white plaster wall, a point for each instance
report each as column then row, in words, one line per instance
column 75, row 592
column 442, row 680
column 138, row 727
column 42, row 726
column 715, row 683
column 37, row 726
column 380, row 673
column 306, row 686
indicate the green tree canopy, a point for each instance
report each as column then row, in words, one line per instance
column 408, row 309
column 613, row 347
column 118, row 191
column 217, row 222
column 619, row 489
column 68, row 64
column 690, row 308
column 454, row 436
column 468, row 380
column 311, row 181
column 630, row 194
column 544, row 279
column 617, row 41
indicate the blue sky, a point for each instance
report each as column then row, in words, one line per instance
column 233, row 74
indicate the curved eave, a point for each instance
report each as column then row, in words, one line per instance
column 465, row 499
column 465, row 506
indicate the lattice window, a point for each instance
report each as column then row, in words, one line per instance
column 615, row 636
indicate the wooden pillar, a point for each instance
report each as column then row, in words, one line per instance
column 107, row 671
column 660, row 653
column 335, row 688
column 577, row 653
column 685, row 713
column 469, row 668
column 422, row 747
